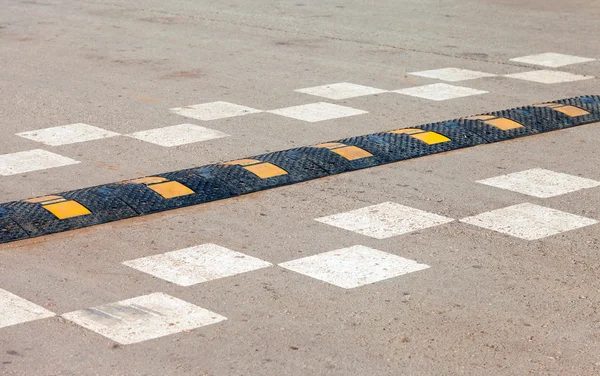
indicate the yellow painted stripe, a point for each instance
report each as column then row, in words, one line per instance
column 265, row 170
column 352, row 153
column 431, row 138
column 571, row 111
column 568, row 110
column 504, row 124
column 171, row 189
column 67, row 209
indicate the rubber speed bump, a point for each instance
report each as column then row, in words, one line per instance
column 351, row 157
column 61, row 207
column 177, row 189
column 66, row 211
column 407, row 143
column 154, row 194
column 268, row 171
column 568, row 110
column 501, row 123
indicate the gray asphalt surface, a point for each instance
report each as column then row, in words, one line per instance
column 490, row 304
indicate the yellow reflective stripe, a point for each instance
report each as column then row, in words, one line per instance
column 171, row 189
column 67, row 209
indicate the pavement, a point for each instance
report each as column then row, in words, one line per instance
column 477, row 261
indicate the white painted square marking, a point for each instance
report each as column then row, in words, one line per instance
column 528, row 221
column 214, row 110
column 197, row 264
column 67, row 134
column 540, row 183
column 439, row 92
column 317, row 112
column 548, row 76
column 32, row 160
column 16, row 310
column 384, row 220
column 177, row 135
column 452, row 74
column 143, row 318
column 353, row 266
column 342, row 90
column 551, row 59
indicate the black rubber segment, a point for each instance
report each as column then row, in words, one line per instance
column 536, row 119
column 37, row 221
column 9, row 229
column 391, row 147
column 301, row 164
column 240, row 181
column 146, row 201
column 331, row 163
column 590, row 103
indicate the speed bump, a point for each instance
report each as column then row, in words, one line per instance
column 406, row 143
column 90, row 206
column 158, row 193
column 501, row 123
column 351, row 157
column 66, row 211
column 571, row 111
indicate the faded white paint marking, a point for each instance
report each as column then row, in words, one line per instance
column 31, row 160
column 197, row 264
column 177, row 135
column 143, row 318
column 15, row 310
column 452, row 74
column 385, row 220
column 548, row 76
column 439, row 92
column 342, row 90
column 528, row 221
column 214, row 110
column 541, row 183
column 551, row 59
column 353, row 266
column 67, row 134
column 318, row 112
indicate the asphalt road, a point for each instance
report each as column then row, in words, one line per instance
column 429, row 283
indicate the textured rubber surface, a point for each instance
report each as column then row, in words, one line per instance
column 589, row 103
column 36, row 221
column 391, row 147
column 144, row 200
column 9, row 229
column 111, row 202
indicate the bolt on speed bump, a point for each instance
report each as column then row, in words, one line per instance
column 111, row 202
